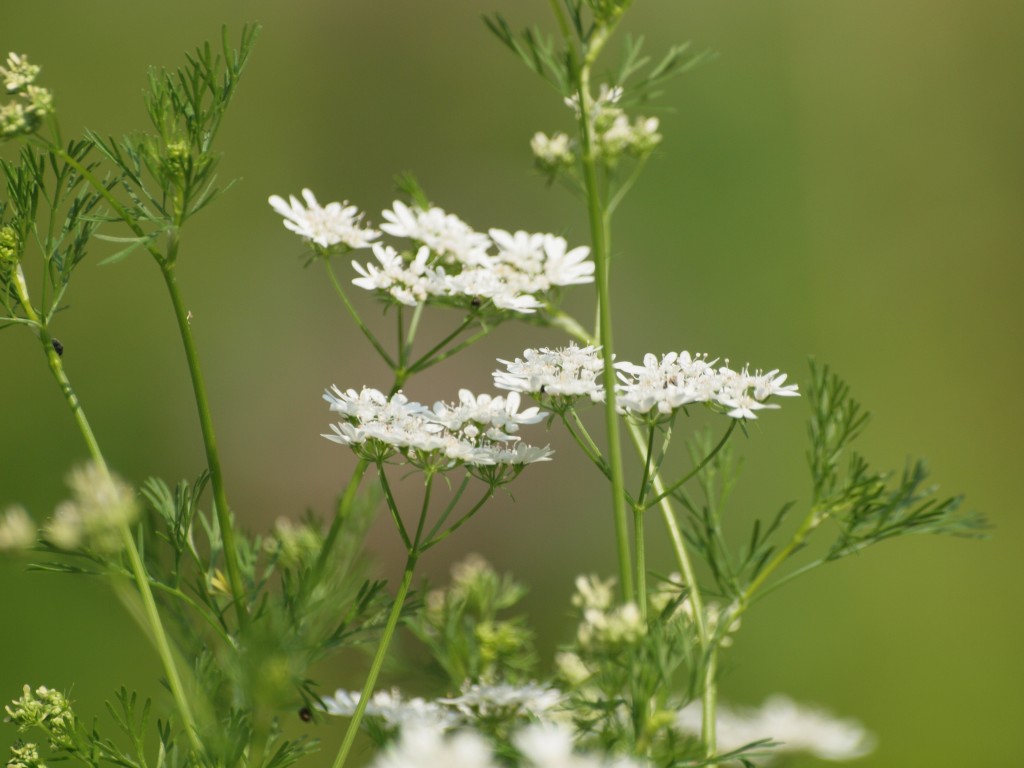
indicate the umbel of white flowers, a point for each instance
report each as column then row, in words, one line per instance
column 559, row 377
column 449, row 263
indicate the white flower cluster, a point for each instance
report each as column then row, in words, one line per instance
column 102, row 506
column 614, row 133
column 797, row 729
column 542, row 746
column 335, row 224
column 24, row 116
column 658, row 387
column 457, row 265
column 504, row 700
column 17, row 531
column 450, row 264
column 568, row 372
column 604, row 623
column 478, row 431
column 393, row 710
column 530, row 701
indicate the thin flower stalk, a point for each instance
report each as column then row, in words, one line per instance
column 156, row 632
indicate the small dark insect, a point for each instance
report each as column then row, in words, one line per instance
column 305, row 715
column 58, row 347
column 476, row 302
column 543, row 388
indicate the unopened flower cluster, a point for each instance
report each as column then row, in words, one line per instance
column 23, row 114
column 46, row 709
column 657, row 388
column 449, row 262
column 614, row 134
column 477, row 431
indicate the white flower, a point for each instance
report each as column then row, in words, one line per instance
column 594, row 592
column 395, row 711
column 564, row 372
column 665, row 384
column 17, row 531
column 444, row 233
column 529, row 700
column 550, row 745
column 18, row 74
column 337, row 223
column 479, row 431
column 103, row 506
column 552, row 151
column 409, row 283
column 426, row 747
column 562, row 267
column 797, row 728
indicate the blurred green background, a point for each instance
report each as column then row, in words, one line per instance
column 845, row 180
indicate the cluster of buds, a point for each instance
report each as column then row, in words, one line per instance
column 24, row 114
column 102, row 507
column 47, row 709
column 614, row 134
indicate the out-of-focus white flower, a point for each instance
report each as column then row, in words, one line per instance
column 552, row 151
column 17, row 531
column 333, row 224
column 797, row 728
column 550, row 745
column 18, row 74
column 103, row 505
column 425, row 747
column 529, row 700
column 391, row 708
column 594, row 592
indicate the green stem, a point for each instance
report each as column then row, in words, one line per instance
column 600, row 237
column 378, row 661
column 423, row 361
column 345, row 503
column 810, row 522
column 693, row 472
column 641, row 560
column 709, row 703
column 355, row 317
column 227, row 531
column 156, row 629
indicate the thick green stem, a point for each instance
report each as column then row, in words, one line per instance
column 378, row 661
column 227, row 531
column 600, row 237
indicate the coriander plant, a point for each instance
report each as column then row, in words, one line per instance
column 239, row 618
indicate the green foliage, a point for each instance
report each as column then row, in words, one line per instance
column 867, row 507
column 462, row 628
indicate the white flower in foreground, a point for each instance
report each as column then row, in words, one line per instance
column 426, row 747
column 569, row 371
column 395, row 711
column 529, row 700
column 337, row 223
column 548, row 745
column 797, row 728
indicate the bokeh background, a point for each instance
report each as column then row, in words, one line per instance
column 844, row 180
